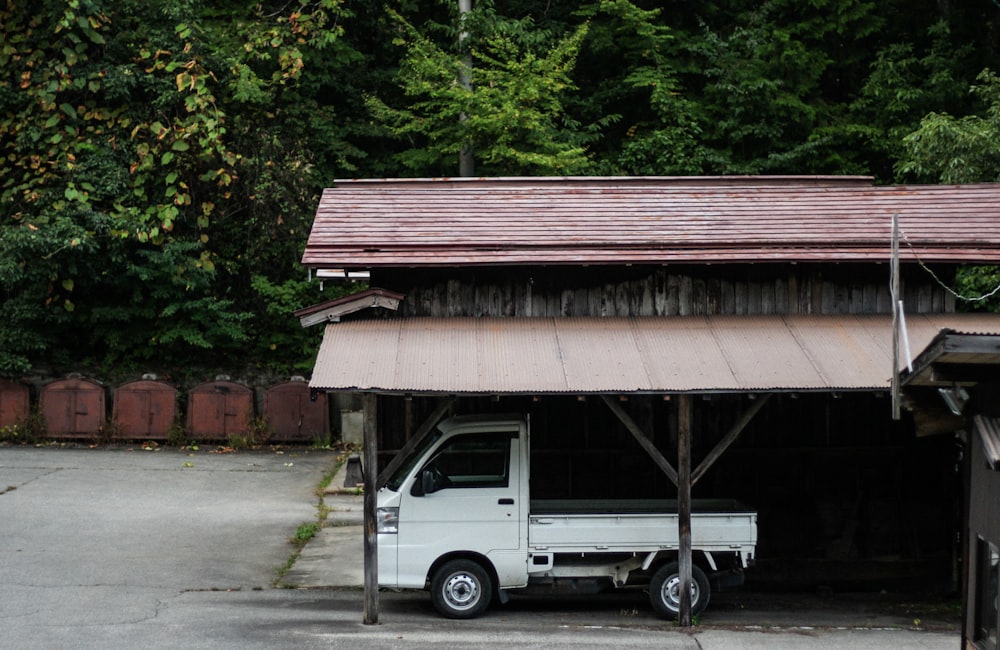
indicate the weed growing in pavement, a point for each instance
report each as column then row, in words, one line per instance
column 26, row 432
column 108, row 432
column 177, row 436
column 305, row 532
column 12, row 433
column 695, row 620
column 257, row 433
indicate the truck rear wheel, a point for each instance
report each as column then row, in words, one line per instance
column 665, row 591
column 461, row 589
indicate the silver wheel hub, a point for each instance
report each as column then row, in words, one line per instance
column 461, row 591
column 671, row 592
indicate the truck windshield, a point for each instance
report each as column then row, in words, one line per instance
column 396, row 480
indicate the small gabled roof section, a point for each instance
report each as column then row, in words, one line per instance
column 363, row 224
column 939, row 381
column 956, row 358
column 333, row 310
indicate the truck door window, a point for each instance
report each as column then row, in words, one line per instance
column 400, row 475
column 473, row 461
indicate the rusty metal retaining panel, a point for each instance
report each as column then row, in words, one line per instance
column 73, row 408
column 292, row 416
column 219, row 409
column 14, row 404
column 144, row 409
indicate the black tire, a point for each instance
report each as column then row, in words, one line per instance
column 664, row 591
column 461, row 589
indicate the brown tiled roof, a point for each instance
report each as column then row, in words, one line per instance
column 618, row 355
column 534, row 221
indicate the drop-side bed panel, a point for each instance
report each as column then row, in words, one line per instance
column 638, row 526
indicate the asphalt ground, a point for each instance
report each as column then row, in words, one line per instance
column 120, row 547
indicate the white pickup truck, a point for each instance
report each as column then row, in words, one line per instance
column 457, row 518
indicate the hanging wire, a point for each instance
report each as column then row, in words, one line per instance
column 985, row 296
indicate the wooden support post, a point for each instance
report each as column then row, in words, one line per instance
column 641, row 437
column 684, row 417
column 370, row 406
column 416, row 439
column 729, row 438
column 897, row 398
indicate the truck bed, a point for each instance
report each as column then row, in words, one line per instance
column 637, row 526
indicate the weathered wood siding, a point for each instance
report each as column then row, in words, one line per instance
column 662, row 291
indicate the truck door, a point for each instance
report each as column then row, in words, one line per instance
column 466, row 498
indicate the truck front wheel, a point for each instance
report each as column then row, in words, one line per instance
column 461, row 589
column 665, row 591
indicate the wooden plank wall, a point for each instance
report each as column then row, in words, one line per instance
column 662, row 291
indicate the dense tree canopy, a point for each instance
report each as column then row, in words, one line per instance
column 161, row 161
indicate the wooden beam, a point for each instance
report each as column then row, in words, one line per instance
column 729, row 438
column 415, row 440
column 897, row 303
column 641, row 437
column 685, row 411
column 966, row 374
column 370, row 406
column 932, row 421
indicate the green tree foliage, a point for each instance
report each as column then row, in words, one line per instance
column 768, row 80
column 906, row 83
column 948, row 149
column 512, row 116
column 145, row 176
column 631, row 87
column 161, row 162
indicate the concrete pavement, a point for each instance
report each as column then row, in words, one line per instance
column 335, row 556
column 181, row 518
column 123, row 548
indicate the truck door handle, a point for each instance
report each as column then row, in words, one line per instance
column 505, row 502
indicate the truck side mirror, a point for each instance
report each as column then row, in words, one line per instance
column 427, row 482
column 418, row 486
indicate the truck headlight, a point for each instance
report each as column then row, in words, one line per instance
column 387, row 520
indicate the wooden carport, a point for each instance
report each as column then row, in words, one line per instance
column 425, row 356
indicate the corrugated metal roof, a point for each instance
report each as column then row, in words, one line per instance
column 621, row 355
column 428, row 222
